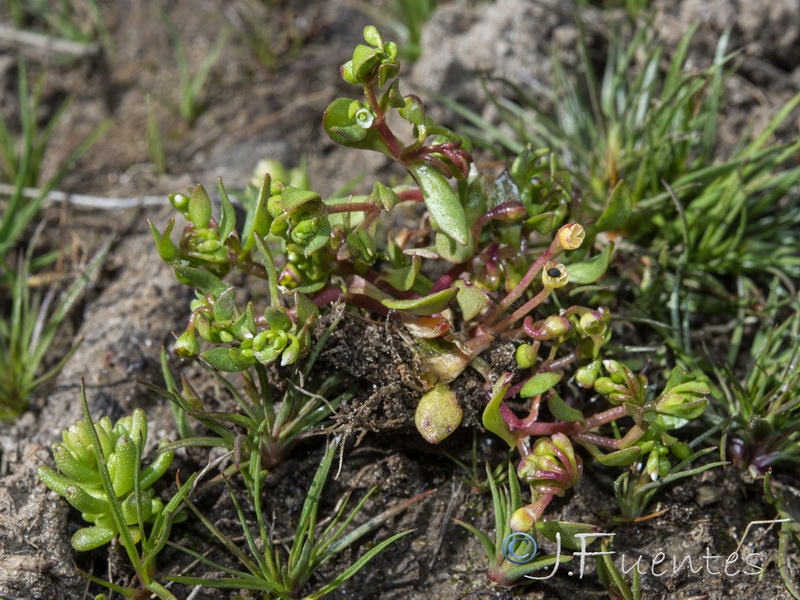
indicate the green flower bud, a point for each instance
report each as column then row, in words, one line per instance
column 290, row 277
column 276, row 186
column 652, row 465
column 587, row 375
column 592, row 323
column 681, row 450
column 556, row 326
column 552, row 467
column 553, row 327
column 618, row 372
column 180, row 202
column 605, row 386
column 292, row 352
column 268, row 345
column 526, row 355
column 522, row 520
column 209, row 246
column 274, row 207
column 306, row 229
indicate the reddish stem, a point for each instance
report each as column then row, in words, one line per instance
column 446, row 280
column 505, row 303
column 392, row 143
column 327, row 296
column 523, row 310
column 352, row 207
column 562, row 362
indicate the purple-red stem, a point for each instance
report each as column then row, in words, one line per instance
column 523, row 310
column 511, row 297
column 394, row 145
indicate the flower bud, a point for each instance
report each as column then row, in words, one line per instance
column 553, row 327
column 651, row 467
column 618, row 372
column 554, row 275
column 274, row 207
column 681, row 450
column 522, row 520
column 268, row 345
column 587, row 374
column 180, row 202
column 592, row 323
column 290, row 276
column 306, row 229
column 526, row 355
column 552, row 467
column 209, row 246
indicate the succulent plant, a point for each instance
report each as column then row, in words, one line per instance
column 80, row 480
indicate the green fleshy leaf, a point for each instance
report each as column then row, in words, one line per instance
column 343, row 129
column 492, row 418
column 427, row 305
column 371, row 36
column 361, row 245
column 677, row 417
column 569, row 532
column 413, row 111
column 89, row 538
column 203, row 280
column 245, row 324
column 591, row 270
column 561, row 410
column 166, row 249
column 383, row 196
column 677, row 376
column 365, row 60
column 402, row 278
column 442, row 201
column 321, row 238
column 85, row 502
column 227, row 220
column 471, row 300
column 278, row 319
column 543, row 223
column 305, row 309
column 224, row 307
column 619, row 458
column 225, row 359
column 452, row 251
column 126, row 456
column 258, row 218
column 293, row 198
column 200, row 208
column 340, row 126
column 503, row 190
column 392, row 98
column 540, row 383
